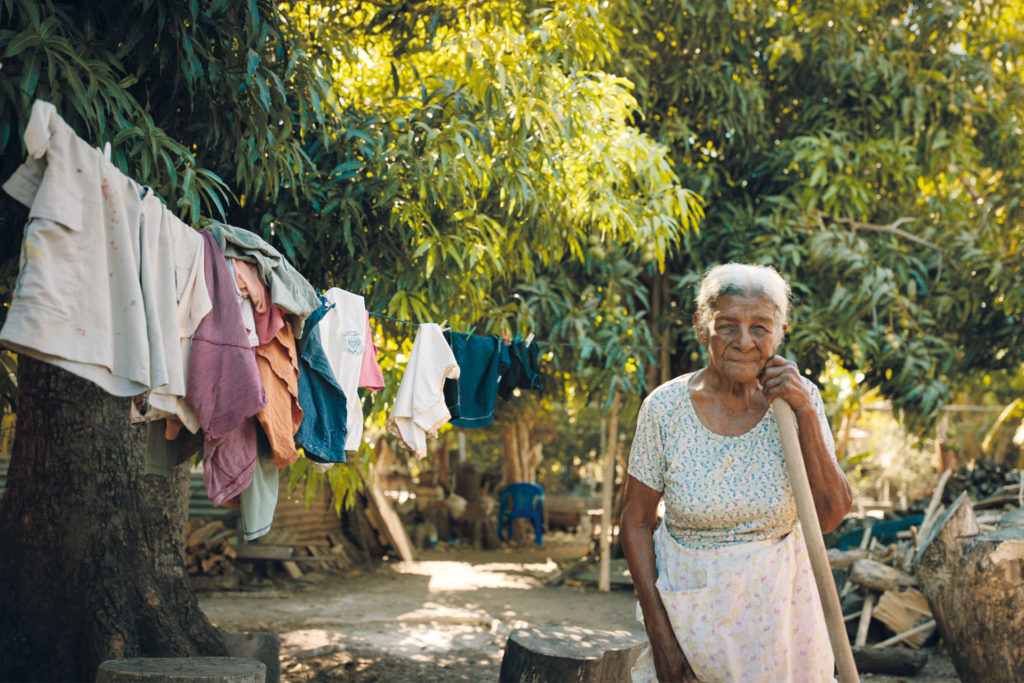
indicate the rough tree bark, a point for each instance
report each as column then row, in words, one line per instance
column 92, row 558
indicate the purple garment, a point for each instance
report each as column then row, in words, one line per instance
column 224, row 385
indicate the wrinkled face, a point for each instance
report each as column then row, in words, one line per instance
column 741, row 336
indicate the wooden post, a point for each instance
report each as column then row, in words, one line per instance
column 604, row 583
column 786, row 421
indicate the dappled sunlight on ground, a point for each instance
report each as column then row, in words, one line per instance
column 443, row 617
column 459, row 576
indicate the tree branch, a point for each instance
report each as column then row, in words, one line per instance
column 892, row 228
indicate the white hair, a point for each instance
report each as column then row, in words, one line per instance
column 744, row 279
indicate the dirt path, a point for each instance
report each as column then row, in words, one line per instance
column 444, row 617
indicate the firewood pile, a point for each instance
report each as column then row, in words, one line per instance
column 209, row 550
column 217, row 560
column 890, row 588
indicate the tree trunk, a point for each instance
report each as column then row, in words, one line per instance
column 607, row 494
column 973, row 583
column 93, row 549
column 522, row 455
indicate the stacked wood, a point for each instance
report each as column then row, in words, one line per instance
column 208, row 549
column 959, row 576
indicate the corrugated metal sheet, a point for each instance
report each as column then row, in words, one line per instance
column 199, row 504
column 309, row 524
column 301, row 524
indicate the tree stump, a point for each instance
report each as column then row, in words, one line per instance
column 182, row 670
column 974, row 584
column 569, row 653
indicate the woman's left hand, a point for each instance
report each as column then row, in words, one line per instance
column 781, row 379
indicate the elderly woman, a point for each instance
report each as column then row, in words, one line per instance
column 724, row 584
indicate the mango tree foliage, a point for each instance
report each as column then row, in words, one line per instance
column 496, row 152
column 870, row 151
column 438, row 161
column 208, row 103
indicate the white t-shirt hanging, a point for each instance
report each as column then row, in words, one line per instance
column 343, row 337
column 420, row 409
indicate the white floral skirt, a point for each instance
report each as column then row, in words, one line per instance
column 748, row 612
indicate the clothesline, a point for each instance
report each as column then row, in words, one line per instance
column 549, row 343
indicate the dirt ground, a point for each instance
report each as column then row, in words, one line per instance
column 444, row 617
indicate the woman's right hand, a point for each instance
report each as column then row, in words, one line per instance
column 671, row 664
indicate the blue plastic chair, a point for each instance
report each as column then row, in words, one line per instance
column 527, row 501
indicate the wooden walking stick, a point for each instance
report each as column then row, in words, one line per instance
column 786, row 420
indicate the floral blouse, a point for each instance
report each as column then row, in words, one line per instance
column 718, row 490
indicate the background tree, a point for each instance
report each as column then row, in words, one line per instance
column 870, row 151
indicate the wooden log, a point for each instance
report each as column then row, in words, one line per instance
column 569, row 653
column 880, row 577
column 902, row 611
column 839, row 559
column 200, row 534
column 182, row 670
column 896, row 661
column 973, row 583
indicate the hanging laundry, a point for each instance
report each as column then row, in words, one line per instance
column 344, row 339
column 471, row 396
column 324, row 406
column 289, row 291
column 370, row 375
column 96, row 293
column 259, row 500
column 245, row 306
column 420, row 409
column 193, row 304
column 224, row 386
column 523, row 371
column 267, row 317
column 280, row 419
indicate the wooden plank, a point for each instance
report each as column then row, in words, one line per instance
column 865, row 621
column 391, row 525
column 928, row 626
column 260, row 551
column 839, row 559
column 292, row 569
column 880, row 577
column 902, row 611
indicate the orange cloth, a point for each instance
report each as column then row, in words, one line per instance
column 249, row 284
column 279, row 370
